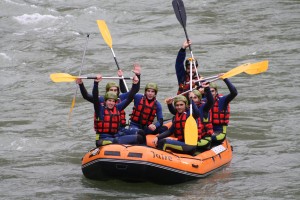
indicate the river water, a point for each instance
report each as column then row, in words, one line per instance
column 40, row 151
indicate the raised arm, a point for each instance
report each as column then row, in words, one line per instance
column 96, row 95
column 83, row 91
column 137, row 71
column 233, row 92
column 195, row 110
column 209, row 97
column 171, row 108
column 121, row 82
column 134, row 89
column 179, row 66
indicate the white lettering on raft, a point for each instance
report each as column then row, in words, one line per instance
column 161, row 156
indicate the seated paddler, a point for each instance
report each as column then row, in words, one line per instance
column 107, row 119
column 177, row 128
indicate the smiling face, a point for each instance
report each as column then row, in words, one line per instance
column 110, row 103
column 180, row 106
column 150, row 93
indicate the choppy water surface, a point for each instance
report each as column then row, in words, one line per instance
column 41, row 154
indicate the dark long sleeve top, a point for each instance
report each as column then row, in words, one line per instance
column 123, row 89
column 99, row 108
column 85, row 94
column 209, row 103
column 225, row 100
column 179, row 66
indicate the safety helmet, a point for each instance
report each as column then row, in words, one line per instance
column 188, row 60
column 111, row 84
column 110, row 95
column 151, row 86
column 198, row 94
column 213, row 85
column 181, row 98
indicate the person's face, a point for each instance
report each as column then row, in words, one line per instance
column 193, row 69
column 110, row 103
column 113, row 89
column 150, row 94
column 180, row 106
column 213, row 92
column 194, row 97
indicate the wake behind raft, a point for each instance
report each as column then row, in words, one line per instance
column 135, row 163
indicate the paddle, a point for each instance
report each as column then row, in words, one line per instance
column 248, row 68
column 252, row 69
column 82, row 63
column 64, row 77
column 180, row 13
column 257, row 68
column 107, row 38
column 190, row 127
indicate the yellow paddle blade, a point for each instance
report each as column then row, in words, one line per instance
column 236, row 71
column 62, row 77
column 105, row 32
column 191, row 131
column 73, row 104
column 257, row 68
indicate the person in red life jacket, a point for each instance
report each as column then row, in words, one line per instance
column 177, row 128
column 113, row 87
column 221, row 110
column 145, row 109
column 182, row 69
column 205, row 127
column 108, row 117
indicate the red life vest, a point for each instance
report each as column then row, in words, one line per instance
column 220, row 117
column 205, row 126
column 145, row 112
column 179, row 123
column 110, row 122
column 186, row 85
column 123, row 115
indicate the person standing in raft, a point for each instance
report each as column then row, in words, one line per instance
column 183, row 73
column 205, row 127
column 177, row 128
column 113, row 87
column 221, row 110
column 107, row 116
column 145, row 109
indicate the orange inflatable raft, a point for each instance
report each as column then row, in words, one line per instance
column 146, row 163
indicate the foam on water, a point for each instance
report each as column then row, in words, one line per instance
column 34, row 18
column 3, row 55
column 12, row 2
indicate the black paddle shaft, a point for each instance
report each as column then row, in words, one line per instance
column 180, row 13
column 117, row 63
